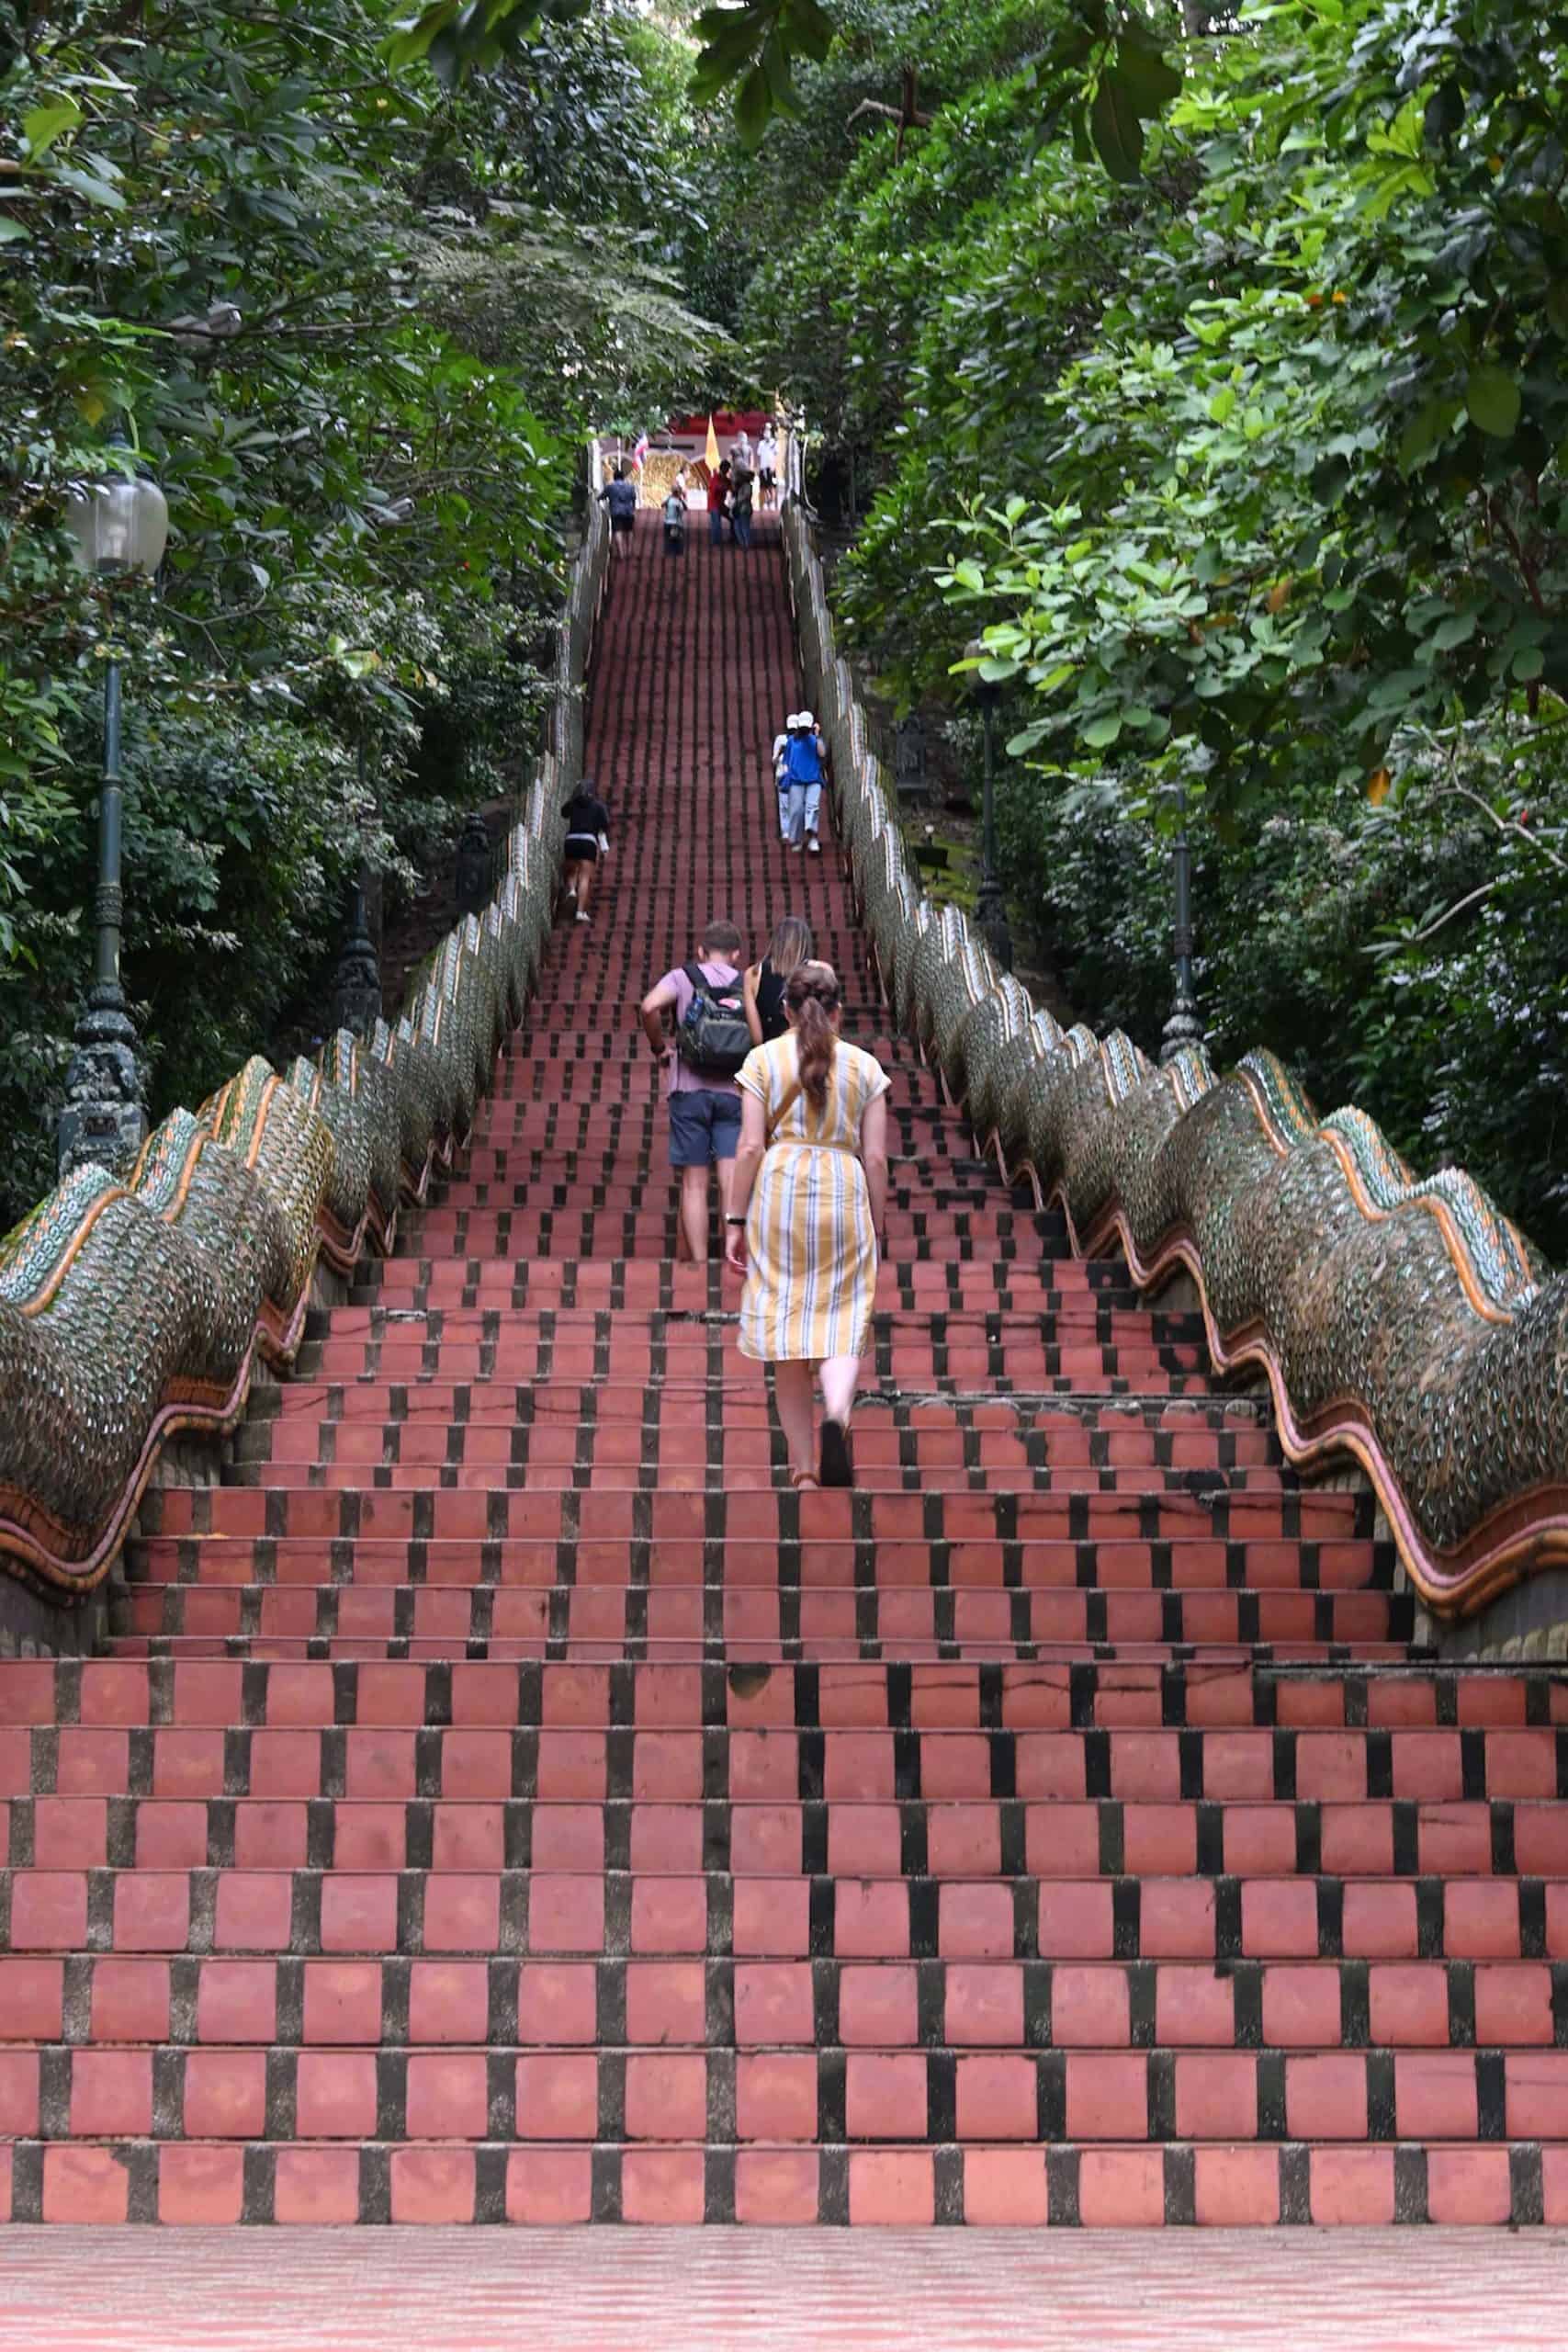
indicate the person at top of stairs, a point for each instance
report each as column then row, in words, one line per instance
column 807, row 1199
column 700, row 1064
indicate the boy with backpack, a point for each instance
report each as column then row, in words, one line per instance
column 706, row 1043
column 803, row 774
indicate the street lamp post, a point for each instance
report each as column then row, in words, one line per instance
column 119, row 525
column 1184, row 1028
column 990, row 908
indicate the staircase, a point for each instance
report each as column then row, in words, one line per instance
column 505, row 1799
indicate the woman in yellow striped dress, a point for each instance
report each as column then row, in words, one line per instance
column 806, row 1202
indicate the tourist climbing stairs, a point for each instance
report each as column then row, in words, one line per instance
column 504, row 1798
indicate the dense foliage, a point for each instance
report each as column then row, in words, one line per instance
column 1252, row 470
column 1212, row 362
column 356, row 326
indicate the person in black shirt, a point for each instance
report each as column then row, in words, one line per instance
column 620, row 497
column 763, row 989
column 587, row 840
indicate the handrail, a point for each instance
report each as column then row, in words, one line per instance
column 1407, row 1324
column 132, row 1311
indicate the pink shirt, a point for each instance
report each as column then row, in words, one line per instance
column 683, row 1078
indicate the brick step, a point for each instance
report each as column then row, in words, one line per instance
column 1193, row 1434
column 1199, row 1433
column 1512, row 2183
column 597, row 1035
column 635, row 1619
column 911, row 1194
column 649, row 1699
column 912, row 1838
column 420, row 1453
column 1480, row 1943
column 610, row 1465
column 438, row 1648
column 652, row 1233
column 676, row 1425
column 778, row 2092
column 1347, row 1766
column 954, row 1366
column 571, row 1286
column 606, row 1143
column 338, row 1510
column 995, row 1522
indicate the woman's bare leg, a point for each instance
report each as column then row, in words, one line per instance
column 583, row 885
column 840, row 1378
column 792, row 1395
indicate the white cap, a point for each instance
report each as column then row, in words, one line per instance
column 793, row 721
column 805, row 719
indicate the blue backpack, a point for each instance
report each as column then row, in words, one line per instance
column 801, row 763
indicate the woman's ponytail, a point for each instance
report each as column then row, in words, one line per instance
column 813, row 997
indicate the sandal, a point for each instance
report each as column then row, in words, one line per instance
column 836, row 1467
column 805, row 1481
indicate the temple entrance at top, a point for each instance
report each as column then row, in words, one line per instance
column 696, row 443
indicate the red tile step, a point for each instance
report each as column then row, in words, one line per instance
column 79, row 1816
column 1222, row 1719
column 1439, row 1961
column 984, row 2184
column 398, row 1761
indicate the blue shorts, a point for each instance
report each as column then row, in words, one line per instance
column 704, row 1125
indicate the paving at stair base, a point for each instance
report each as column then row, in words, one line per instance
column 671, row 2291
column 503, row 1800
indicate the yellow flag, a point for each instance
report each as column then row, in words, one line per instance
column 711, row 452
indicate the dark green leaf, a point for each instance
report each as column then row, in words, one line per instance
column 1115, row 128
column 1492, row 398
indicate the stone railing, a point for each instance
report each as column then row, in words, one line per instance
column 1405, row 1323
column 131, row 1312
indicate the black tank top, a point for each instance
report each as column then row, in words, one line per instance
column 770, row 1002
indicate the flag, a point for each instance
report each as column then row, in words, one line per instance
column 639, row 450
column 711, row 452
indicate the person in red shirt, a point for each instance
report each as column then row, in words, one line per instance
column 718, row 502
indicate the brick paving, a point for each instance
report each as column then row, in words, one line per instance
column 507, row 1801
column 1356, row 2290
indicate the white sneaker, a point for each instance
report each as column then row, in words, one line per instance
column 814, row 845
column 582, row 918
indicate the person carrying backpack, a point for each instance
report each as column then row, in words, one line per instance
column 781, row 772
column 701, row 1051
column 802, row 770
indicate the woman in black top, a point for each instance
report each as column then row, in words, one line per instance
column 587, row 840
column 763, row 989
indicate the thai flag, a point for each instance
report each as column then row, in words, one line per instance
column 639, row 450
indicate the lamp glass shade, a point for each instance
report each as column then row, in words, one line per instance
column 119, row 525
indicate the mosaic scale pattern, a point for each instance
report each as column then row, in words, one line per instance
column 1404, row 1321
column 131, row 1312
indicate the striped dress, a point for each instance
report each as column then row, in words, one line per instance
column 812, row 1277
